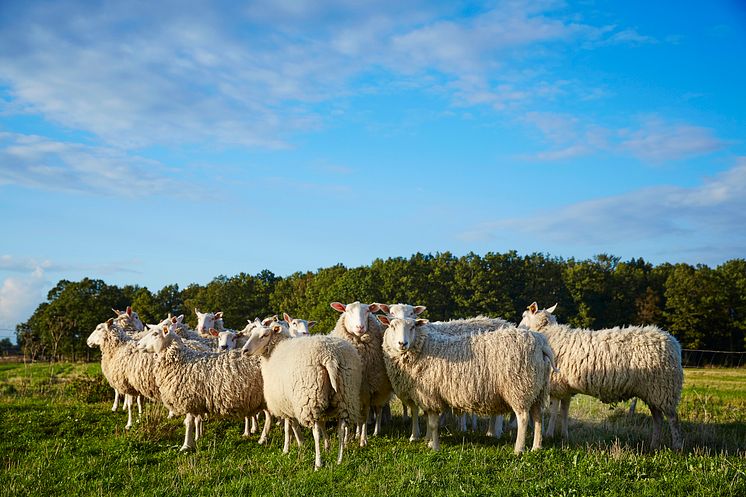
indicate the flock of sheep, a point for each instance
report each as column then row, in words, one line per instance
column 481, row 366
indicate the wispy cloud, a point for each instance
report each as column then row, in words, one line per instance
column 143, row 73
column 651, row 139
column 712, row 209
column 38, row 162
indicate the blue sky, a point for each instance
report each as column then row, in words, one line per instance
column 153, row 143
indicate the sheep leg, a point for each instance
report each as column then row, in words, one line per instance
column 128, row 401
column 197, row 427
column 296, row 431
column 520, row 439
column 565, row 407
column 433, row 423
column 246, row 431
column 267, row 427
column 677, row 442
column 536, row 415
column 633, row 406
column 553, row 409
column 139, row 405
column 473, row 422
column 316, row 444
column 189, row 435
column 364, row 426
column 462, row 422
column 404, row 409
column 286, row 446
column 116, row 400
column 655, row 442
column 341, row 433
column 254, row 424
column 379, row 415
column 495, row 426
column 325, row 435
column 415, row 424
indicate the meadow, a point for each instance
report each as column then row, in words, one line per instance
column 58, row 436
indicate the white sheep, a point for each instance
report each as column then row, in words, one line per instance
column 198, row 383
column 298, row 327
column 309, row 380
column 454, row 327
column 358, row 325
column 489, row 373
column 613, row 365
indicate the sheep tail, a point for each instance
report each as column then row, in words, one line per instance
column 332, row 369
column 548, row 354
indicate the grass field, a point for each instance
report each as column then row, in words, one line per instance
column 58, row 436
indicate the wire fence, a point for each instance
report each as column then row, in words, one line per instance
column 712, row 358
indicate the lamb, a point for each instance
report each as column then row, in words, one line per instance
column 358, row 325
column 488, row 373
column 454, row 327
column 612, row 365
column 198, row 383
column 309, row 380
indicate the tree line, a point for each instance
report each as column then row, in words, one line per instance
column 704, row 308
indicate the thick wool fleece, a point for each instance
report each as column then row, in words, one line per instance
column 228, row 384
column 313, row 378
column 376, row 388
column 490, row 373
column 617, row 364
column 479, row 324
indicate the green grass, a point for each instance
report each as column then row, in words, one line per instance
column 58, row 436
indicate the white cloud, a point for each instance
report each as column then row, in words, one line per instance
column 19, row 297
column 659, row 141
column 713, row 210
column 38, row 162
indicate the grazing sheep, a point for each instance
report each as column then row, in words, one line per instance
column 488, row 373
column 199, row 383
column 309, row 380
column 359, row 326
column 613, row 365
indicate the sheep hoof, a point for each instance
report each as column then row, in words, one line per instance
column 185, row 448
column 262, row 441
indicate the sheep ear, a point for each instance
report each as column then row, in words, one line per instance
column 275, row 318
column 311, row 324
column 109, row 321
column 420, row 322
column 383, row 308
column 129, row 310
column 180, row 318
column 419, row 309
column 267, row 322
column 219, row 315
column 240, row 334
column 276, row 328
column 166, row 330
column 373, row 307
column 551, row 309
column 116, row 311
column 338, row 306
column 256, row 320
column 286, row 317
column 384, row 320
column 213, row 332
column 533, row 308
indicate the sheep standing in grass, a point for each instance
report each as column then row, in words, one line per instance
column 358, row 325
column 309, row 380
column 197, row 383
column 489, row 373
column 612, row 365
column 455, row 327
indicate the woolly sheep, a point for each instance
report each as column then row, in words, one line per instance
column 358, row 325
column 298, row 327
column 488, row 373
column 612, row 365
column 198, row 383
column 309, row 380
column 454, row 327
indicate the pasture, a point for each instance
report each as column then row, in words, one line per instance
column 58, row 436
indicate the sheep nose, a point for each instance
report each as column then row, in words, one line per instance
column 223, row 347
column 403, row 345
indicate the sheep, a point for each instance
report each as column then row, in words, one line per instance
column 114, row 344
column 298, row 327
column 197, row 383
column 130, row 321
column 308, row 380
column 358, row 325
column 454, row 327
column 612, row 365
column 488, row 373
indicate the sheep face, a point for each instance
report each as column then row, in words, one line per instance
column 535, row 319
column 205, row 321
column 156, row 341
column 96, row 338
column 259, row 339
column 401, row 333
column 132, row 316
column 355, row 316
column 227, row 340
column 298, row 327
